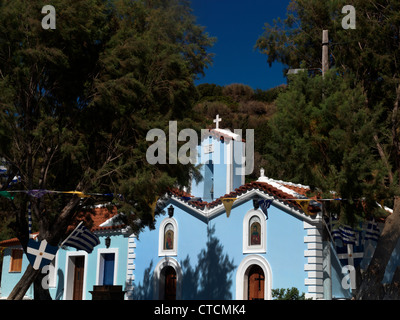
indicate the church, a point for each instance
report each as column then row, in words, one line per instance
column 221, row 238
column 220, row 241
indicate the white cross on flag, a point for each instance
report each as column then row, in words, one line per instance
column 40, row 254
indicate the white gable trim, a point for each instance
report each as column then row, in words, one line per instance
column 208, row 214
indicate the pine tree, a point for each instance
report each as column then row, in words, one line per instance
column 368, row 56
column 78, row 100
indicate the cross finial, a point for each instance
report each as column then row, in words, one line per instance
column 217, row 120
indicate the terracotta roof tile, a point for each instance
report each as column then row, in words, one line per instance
column 261, row 186
column 93, row 220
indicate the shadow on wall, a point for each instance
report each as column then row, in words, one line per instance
column 210, row 279
column 60, row 286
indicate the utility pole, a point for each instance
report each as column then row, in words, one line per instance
column 325, row 54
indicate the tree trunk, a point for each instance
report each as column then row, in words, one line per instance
column 23, row 284
column 371, row 286
column 53, row 237
column 39, row 291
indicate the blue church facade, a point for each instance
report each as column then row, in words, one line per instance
column 203, row 252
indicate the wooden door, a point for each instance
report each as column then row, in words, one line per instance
column 78, row 277
column 256, row 283
column 170, row 284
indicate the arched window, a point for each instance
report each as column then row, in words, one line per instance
column 254, row 232
column 168, row 237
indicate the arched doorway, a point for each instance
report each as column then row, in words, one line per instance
column 167, row 280
column 254, row 279
column 170, row 283
column 256, row 283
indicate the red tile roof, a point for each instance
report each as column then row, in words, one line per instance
column 93, row 220
column 264, row 187
column 13, row 241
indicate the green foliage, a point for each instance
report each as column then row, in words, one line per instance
column 348, row 141
column 78, row 101
column 287, row 294
column 322, row 135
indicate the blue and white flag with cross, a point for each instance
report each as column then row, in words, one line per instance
column 40, row 254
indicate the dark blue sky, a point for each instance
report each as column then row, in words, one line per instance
column 237, row 24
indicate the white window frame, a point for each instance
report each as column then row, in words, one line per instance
column 262, row 248
column 100, row 265
column 161, row 251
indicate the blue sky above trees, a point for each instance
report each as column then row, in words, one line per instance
column 237, row 24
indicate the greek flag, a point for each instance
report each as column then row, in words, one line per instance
column 40, row 253
column 82, row 239
column 372, row 232
column 346, row 234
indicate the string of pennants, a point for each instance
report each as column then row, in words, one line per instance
column 264, row 204
column 38, row 193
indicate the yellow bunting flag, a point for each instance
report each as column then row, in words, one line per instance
column 304, row 205
column 153, row 208
column 228, row 203
column 80, row 194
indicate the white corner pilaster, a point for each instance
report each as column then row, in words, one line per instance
column 130, row 276
column 313, row 253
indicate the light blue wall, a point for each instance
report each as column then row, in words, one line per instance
column 9, row 280
column 220, row 161
column 285, row 248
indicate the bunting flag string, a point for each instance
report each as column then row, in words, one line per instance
column 39, row 193
column 304, row 204
column 153, row 208
column 6, row 194
column 228, row 203
column 264, row 205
